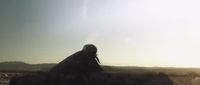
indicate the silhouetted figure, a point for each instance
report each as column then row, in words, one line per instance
column 83, row 61
column 79, row 65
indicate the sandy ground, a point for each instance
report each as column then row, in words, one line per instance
column 182, row 80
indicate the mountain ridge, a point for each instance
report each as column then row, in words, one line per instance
column 22, row 66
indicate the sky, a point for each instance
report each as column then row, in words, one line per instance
column 164, row 33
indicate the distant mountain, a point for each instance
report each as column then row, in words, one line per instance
column 22, row 66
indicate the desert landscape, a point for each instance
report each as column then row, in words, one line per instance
column 99, row 42
column 129, row 75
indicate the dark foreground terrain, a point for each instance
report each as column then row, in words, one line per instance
column 126, row 75
column 137, row 79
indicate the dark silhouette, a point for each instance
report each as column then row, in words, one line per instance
column 82, row 68
column 96, row 78
column 83, row 61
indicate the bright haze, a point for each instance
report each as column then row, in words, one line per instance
column 162, row 33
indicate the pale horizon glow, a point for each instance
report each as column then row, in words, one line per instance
column 161, row 33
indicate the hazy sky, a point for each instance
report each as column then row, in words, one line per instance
column 126, row 32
